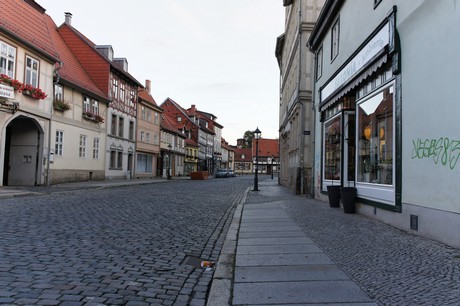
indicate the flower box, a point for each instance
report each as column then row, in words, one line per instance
column 60, row 105
column 199, row 175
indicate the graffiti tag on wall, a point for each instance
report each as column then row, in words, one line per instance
column 442, row 150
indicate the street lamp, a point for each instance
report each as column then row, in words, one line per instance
column 257, row 133
column 169, row 161
column 273, row 157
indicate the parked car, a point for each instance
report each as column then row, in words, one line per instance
column 221, row 173
column 231, row 173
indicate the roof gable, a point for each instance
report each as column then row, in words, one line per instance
column 26, row 20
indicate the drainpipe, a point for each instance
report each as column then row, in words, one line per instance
column 302, row 106
column 58, row 77
column 313, row 135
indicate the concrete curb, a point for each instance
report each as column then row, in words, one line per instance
column 221, row 292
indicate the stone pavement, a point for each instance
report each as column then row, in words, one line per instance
column 283, row 249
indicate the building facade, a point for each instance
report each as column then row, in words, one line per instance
column 27, row 66
column 296, row 119
column 148, row 134
column 111, row 76
column 386, row 116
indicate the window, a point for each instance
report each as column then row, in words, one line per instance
column 131, row 130
column 58, row 92
column 142, row 136
column 149, row 115
column 132, row 99
column 82, row 146
column 335, row 40
column 157, row 119
column 59, row 145
column 7, row 59
column 332, row 149
column 155, row 139
column 96, row 148
column 31, row 71
column 114, row 89
column 143, row 113
column 144, row 163
column 121, row 124
column 120, row 160
column 122, row 92
column 95, row 107
column 86, row 104
column 113, row 159
column 319, row 63
column 376, row 138
column 113, row 128
column 147, row 137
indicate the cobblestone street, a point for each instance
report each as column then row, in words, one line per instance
column 115, row 246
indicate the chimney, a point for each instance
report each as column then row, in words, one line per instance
column 68, row 18
column 193, row 109
column 148, row 85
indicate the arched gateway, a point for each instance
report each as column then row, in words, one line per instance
column 24, row 140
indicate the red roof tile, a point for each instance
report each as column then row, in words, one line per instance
column 267, row 147
column 28, row 22
column 144, row 95
column 71, row 70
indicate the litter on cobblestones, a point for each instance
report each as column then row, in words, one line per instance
column 208, row 265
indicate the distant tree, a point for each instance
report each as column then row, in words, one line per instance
column 248, row 136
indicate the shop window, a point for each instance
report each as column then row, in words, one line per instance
column 376, row 138
column 332, row 149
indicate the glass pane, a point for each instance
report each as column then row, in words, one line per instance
column 375, row 139
column 332, row 133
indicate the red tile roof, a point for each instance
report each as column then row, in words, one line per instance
column 239, row 153
column 71, row 70
column 267, row 147
column 168, row 124
column 29, row 23
column 144, row 95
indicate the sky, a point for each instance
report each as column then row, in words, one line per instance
column 216, row 54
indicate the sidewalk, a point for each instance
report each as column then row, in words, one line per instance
column 275, row 262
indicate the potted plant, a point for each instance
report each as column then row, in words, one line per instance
column 61, row 105
column 348, row 195
column 333, row 193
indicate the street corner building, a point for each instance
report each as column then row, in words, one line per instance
column 386, row 110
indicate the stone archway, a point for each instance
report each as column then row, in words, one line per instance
column 23, row 152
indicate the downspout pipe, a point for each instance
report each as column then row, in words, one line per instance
column 58, row 78
column 302, row 106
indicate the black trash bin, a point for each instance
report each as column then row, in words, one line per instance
column 333, row 192
column 348, row 195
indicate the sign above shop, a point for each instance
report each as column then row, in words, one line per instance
column 367, row 53
column 6, row 91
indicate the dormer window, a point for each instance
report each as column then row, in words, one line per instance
column 243, row 156
column 179, row 118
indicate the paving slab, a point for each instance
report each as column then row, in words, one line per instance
column 278, row 249
column 298, row 292
column 251, row 227
column 288, row 273
column 269, row 234
column 282, row 259
column 275, row 240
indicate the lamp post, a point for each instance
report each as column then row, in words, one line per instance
column 257, row 133
column 169, row 161
column 273, row 157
